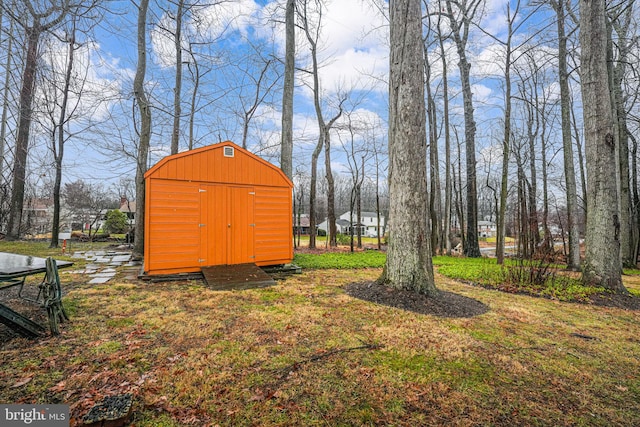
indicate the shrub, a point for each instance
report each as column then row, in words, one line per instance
column 116, row 222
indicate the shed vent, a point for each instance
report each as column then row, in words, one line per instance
column 228, row 151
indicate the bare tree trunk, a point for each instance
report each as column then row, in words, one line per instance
column 548, row 238
column 408, row 264
column 435, row 203
column 460, row 31
column 331, row 197
column 359, row 203
column 602, row 257
column 636, row 197
column 447, row 148
column 286, row 146
column 573, row 260
column 312, row 193
column 459, row 203
column 5, row 100
column 59, row 153
column 580, row 151
column 194, row 95
column 56, row 14
column 506, row 144
column 24, row 127
column 617, row 70
column 177, row 91
column 145, row 128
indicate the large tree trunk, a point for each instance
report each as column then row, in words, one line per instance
column 42, row 22
column 24, row 127
column 602, row 257
column 617, row 72
column 408, row 264
column 286, row 145
column 573, row 260
column 144, row 110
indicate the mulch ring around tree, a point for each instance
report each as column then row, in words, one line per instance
column 626, row 302
column 444, row 304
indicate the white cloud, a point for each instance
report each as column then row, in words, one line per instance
column 215, row 20
column 353, row 49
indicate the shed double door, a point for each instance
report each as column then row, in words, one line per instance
column 227, row 225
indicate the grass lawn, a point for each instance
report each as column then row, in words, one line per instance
column 304, row 353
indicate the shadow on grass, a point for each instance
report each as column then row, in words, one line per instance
column 445, row 304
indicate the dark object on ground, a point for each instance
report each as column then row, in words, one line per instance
column 444, row 304
column 113, row 411
column 236, row 277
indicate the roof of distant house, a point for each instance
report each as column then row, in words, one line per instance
column 127, row 206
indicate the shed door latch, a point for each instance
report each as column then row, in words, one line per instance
column 201, row 225
column 200, row 190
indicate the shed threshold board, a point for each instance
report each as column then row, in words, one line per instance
column 236, row 277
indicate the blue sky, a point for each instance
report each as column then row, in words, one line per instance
column 353, row 58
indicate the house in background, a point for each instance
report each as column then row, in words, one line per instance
column 128, row 208
column 368, row 223
column 486, row 229
column 301, row 224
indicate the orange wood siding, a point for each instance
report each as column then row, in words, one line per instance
column 274, row 235
column 203, row 208
column 209, row 165
column 172, row 231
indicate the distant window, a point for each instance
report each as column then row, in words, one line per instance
column 228, row 151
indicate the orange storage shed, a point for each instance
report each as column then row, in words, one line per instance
column 216, row 205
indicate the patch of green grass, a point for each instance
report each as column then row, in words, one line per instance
column 108, row 347
column 119, row 322
column 529, row 277
column 341, row 260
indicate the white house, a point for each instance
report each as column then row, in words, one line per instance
column 486, row 229
column 368, row 223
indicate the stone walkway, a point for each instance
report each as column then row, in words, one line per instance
column 103, row 265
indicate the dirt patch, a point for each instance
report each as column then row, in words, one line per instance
column 444, row 304
column 625, row 302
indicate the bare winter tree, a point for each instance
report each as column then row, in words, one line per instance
column 461, row 15
column 408, row 264
column 602, row 266
column 36, row 19
column 286, row 147
column 312, row 32
column 144, row 111
column 573, row 261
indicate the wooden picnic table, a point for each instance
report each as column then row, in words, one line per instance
column 14, row 269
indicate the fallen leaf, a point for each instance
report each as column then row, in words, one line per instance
column 22, row 382
column 58, row 387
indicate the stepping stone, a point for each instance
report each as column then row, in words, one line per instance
column 99, row 280
column 100, row 274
